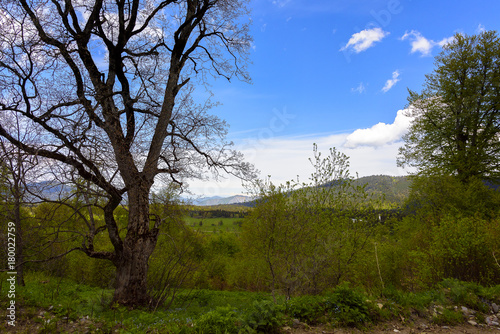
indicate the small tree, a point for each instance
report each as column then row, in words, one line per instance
column 456, row 129
column 308, row 235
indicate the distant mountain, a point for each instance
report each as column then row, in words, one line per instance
column 217, row 200
column 394, row 189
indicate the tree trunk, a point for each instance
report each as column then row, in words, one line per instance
column 132, row 260
column 131, row 274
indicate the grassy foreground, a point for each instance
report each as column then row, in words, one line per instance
column 55, row 305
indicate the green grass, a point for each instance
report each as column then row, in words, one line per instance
column 51, row 304
column 215, row 225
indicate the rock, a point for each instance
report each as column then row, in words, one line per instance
column 423, row 326
column 495, row 308
column 472, row 322
column 297, row 324
column 438, row 309
column 465, row 310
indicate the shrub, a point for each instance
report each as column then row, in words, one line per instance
column 347, row 307
column 222, row 320
column 265, row 317
column 306, row 308
column 448, row 317
column 465, row 293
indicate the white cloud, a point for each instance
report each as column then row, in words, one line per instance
column 281, row 3
column 360, row 89
column 391, row 82
column 371, row 151
column 445, row 41
column 423, row 45
column 364, row 39
column 380, row 134
column 480, row 28
column 418, row 42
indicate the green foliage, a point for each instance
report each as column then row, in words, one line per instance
column 344, row 307
column 461, row 247
column 305, row 238
column 451, row 232
column 406, row 299
column 393, row 189
column 347, row 307
column 448, row 317
column 209, row 311
column 222, row 320
column 465, row 293
column 455, row 129
column 264, row 317
column 178, row 252
column 309, row 309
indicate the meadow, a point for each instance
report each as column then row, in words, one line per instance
column 49, row 304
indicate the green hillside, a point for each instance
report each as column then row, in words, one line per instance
column 395, row 189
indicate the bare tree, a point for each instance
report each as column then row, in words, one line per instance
column 107, row 84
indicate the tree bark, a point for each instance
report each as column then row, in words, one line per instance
column 139, row 243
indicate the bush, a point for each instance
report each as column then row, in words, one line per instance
column 347, row 307
column 465, row 293
column 265, row 317
column 448, row 317
column 344, row 307
column 308, row 309
column 222, row 320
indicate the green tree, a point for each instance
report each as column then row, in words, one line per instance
column 451, row 232
column 456, row 129
column 306, row 237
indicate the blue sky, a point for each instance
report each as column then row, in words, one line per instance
column 335, row 73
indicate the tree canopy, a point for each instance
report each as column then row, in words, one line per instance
column 456, row 125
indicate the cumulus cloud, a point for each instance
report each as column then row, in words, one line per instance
column 286, row 158
column 391, row 82
column 423, row 45
column 364, row 39
column 371, row 151
column 380, row 134
column 360, row 89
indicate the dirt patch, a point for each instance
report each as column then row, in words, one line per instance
column 419, row 327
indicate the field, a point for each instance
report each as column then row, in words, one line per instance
column 215, row 219
column 215, row 225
